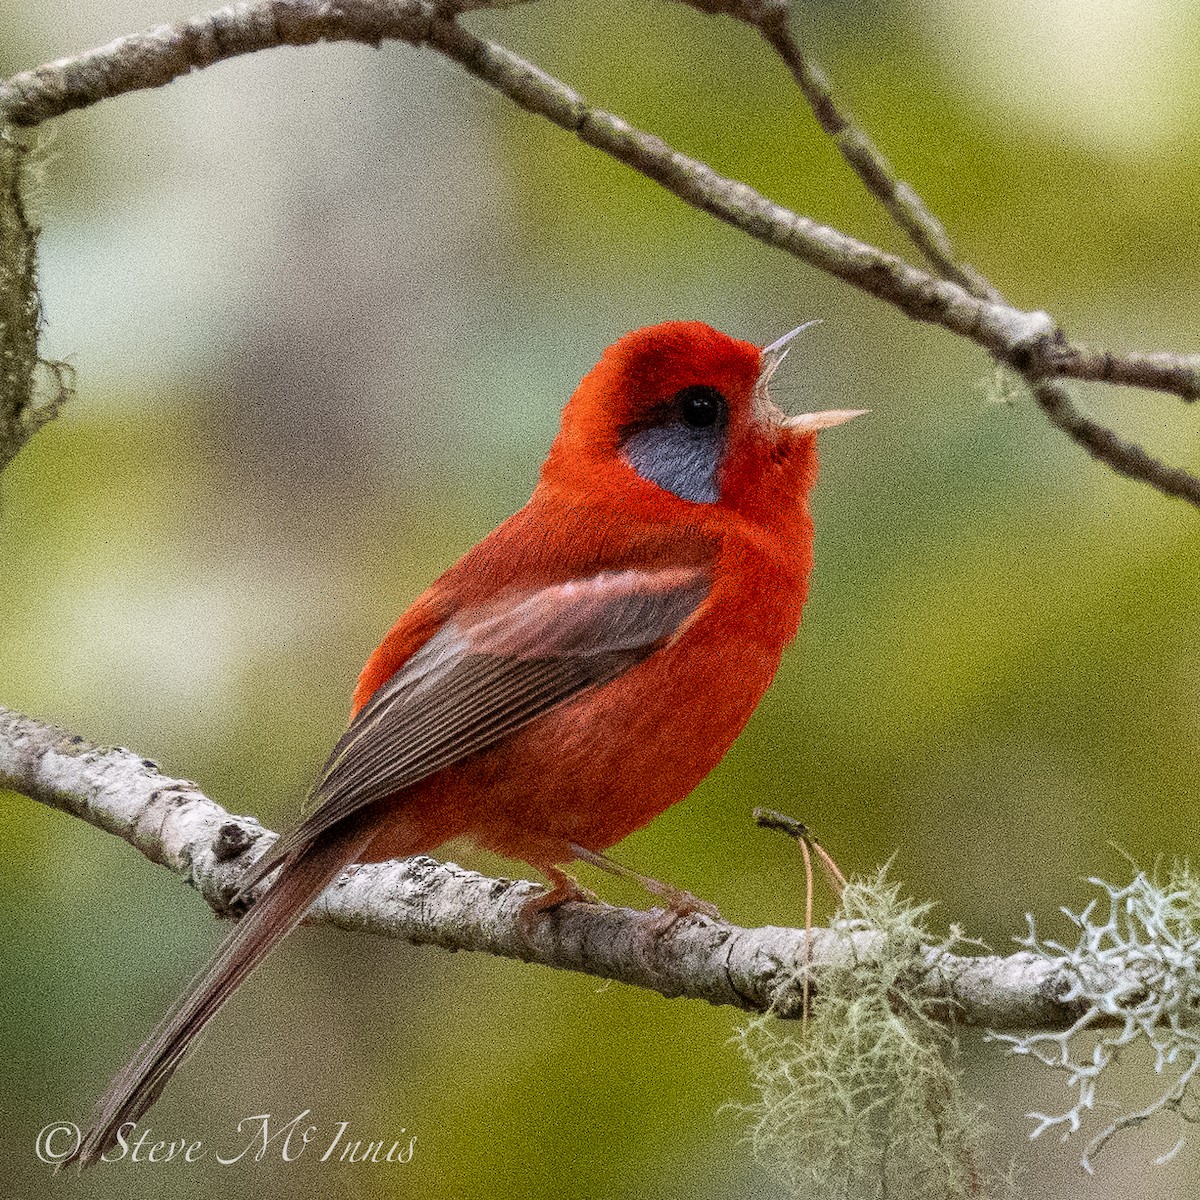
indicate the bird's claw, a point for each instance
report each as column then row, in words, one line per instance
column 536, row 907
column 680, row 905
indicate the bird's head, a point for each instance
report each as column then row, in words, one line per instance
column 678, row 415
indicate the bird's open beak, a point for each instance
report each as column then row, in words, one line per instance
column 771, row 357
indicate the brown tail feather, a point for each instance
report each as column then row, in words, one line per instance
column 275, row 915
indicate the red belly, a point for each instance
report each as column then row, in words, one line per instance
column 609, row 761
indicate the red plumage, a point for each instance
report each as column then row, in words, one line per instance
column 602, row 766
column 574, row 674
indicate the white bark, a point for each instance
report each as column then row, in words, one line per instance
column 423, row 901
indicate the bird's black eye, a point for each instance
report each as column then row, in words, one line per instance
column 700, row 406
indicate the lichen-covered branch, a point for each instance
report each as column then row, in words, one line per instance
column 18, row 303
column 174, row 824
column 866, row 1099
column 22, row 410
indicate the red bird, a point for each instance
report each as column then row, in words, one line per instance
column 572, row 676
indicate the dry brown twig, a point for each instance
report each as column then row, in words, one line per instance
column 769, row 818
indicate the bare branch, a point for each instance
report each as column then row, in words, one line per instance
column 1031, row 342
column 900, row 199
column 174, row 824
column 1049, row 356
column 163, row 54
column 1155, row 371
column 1127, row 458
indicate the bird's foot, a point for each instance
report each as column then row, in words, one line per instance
column 680, row 904
column 564, row 889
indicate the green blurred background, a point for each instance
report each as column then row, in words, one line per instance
column 326, row 305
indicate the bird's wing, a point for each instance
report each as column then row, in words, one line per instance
column 484, row 675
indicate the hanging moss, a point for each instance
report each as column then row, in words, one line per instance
column 865, row 1101
column 31, row 390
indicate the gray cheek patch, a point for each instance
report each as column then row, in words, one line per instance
column 679, row 458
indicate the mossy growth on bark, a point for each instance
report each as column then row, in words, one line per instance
column 863, row 1100
column 32, row 390
column 1134, row 972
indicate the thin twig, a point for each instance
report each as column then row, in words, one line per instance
column 1158, row 371
column 1049, row 356
column 1127, row 458
column 1055, row 355
column 868, row 162
column 808, row 930
column 770, row 818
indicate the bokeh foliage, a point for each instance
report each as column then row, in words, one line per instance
column 326, row 305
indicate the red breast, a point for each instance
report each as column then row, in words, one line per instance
column 610, row 760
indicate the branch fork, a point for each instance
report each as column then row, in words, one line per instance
column 951, row 293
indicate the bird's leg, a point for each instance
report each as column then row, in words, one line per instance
column 563, row 888
column 679, row 903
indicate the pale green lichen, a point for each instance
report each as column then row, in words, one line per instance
column 864, row 1100
column 31, row 389
column 1135, row 977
